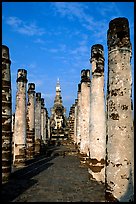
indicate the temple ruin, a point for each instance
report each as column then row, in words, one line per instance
column 100, row 127
column 58, row 121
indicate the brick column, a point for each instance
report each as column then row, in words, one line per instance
column 6, row 115
column 97, row 115
column 30, row 121
column 85, row 111
column 20, row 120
column 120, row 140
column 38, row 124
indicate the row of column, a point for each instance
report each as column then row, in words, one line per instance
column 26, row 132
column 103, row 129
column 31, row 122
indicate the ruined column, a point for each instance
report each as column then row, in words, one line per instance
column 13, row 124
column 97, row 116
column 75, row 122
column 78, row 116
column 38, row 124
column 20, row 120
column 47, row 120
column 71, row 121
column 120, row 140
column 85, row 111
column 49, row 129
column 43, row 124
column 30, row 121
column 6, row 115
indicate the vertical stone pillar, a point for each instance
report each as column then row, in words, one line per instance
column 85, row 111
column 97, row 115
column 71, row 122
column 75, row 122
column 79, row 116
column 49, row 129
column 120, row 140
column 30, row 121
column 46, row 130
column 38, row 124
column 13, row 124
column 20, row 120
column 43, row 124
column 6, row 115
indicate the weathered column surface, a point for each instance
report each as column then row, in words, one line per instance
column 20, row 120
column 48, row 128
column 30, row 121
column 97, row 115
column 6, row 115
column 43, row 124
column 78, row 137
column 71, row 121
column 13, row 124
column 120, row 141
column 38, row 124
column 75, row 122
column 85, row 111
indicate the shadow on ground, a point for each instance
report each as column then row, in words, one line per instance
column 22, row 179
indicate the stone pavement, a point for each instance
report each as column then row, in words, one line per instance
column 56, row 177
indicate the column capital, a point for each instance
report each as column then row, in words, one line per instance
column 38, row 96
column 22, row 75
column 5, row 54
column 85, row 75
column 118, row 34
column 31, row 88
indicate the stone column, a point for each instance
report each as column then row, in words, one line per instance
column 97, row 116
column 6, row 115
column 120, row 140
column 43, row 124
column 71, row 121
column 30, row 121
column 46, row 130
column 79, row 116
column 75, row 122
column 38, row 124
column 13, row 124
column 20, row 120
column 49, row 129
column 85, row 111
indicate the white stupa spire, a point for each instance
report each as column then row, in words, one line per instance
column 58, row 85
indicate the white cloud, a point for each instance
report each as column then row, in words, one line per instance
column 40, row 41
column 107, row 8
column 81, row 50
column 70, row 10
column 78, row 10
column 14, row 21
column 23, row 27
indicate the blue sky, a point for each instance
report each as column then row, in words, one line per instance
column 53, row 40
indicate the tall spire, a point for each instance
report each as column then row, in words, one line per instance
column 58, row 98
column 58, row 85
